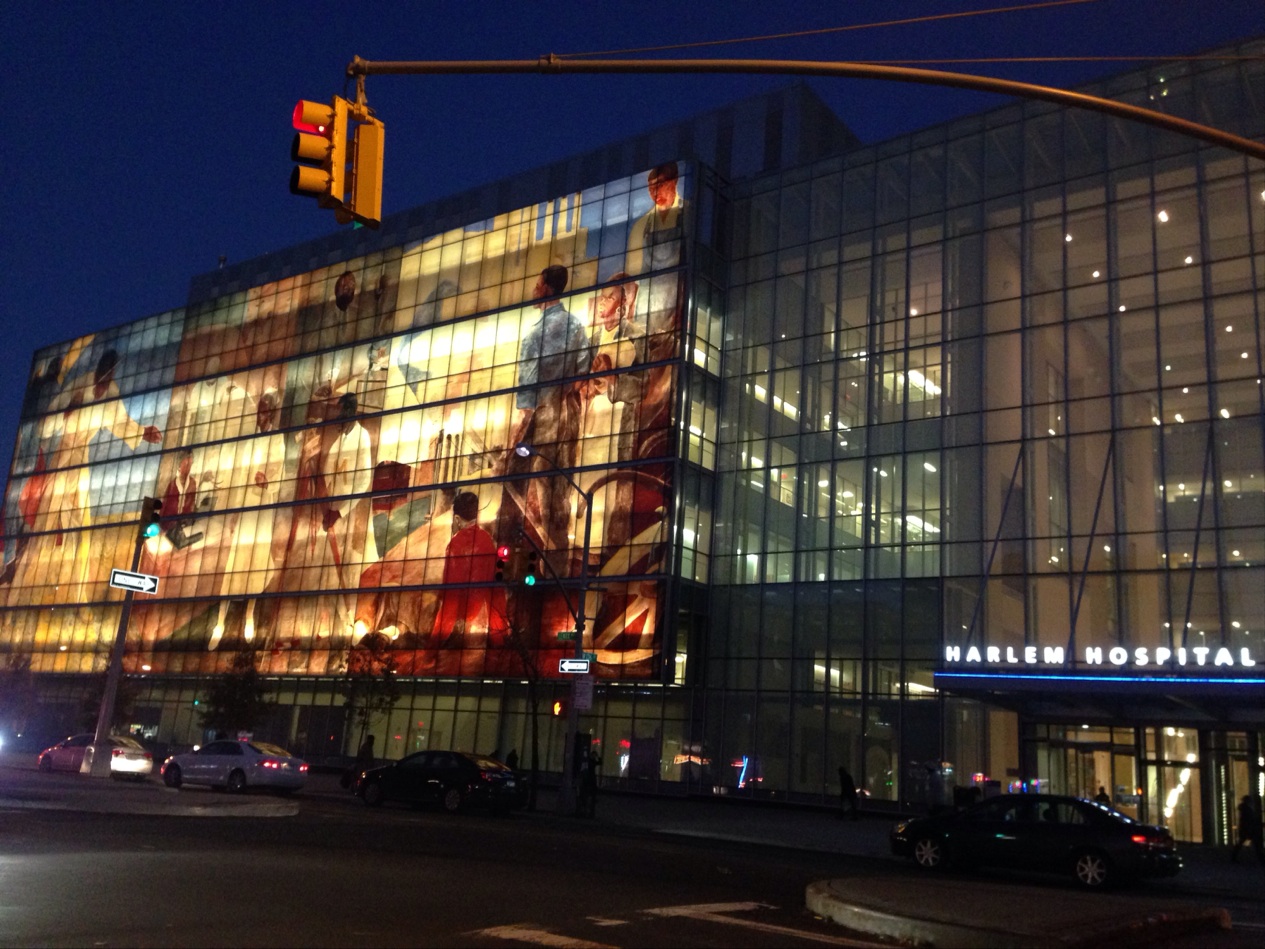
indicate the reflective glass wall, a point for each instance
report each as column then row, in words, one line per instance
column 991, row 399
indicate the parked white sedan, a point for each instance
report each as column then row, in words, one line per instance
column 237, row 765
column 128, row 758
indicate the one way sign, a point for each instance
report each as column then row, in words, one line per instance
column 139, row 582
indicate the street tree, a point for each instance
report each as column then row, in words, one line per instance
column 369, row 686
column 237, row 700
column 17, row 693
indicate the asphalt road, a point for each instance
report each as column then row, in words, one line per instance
column 341, row 875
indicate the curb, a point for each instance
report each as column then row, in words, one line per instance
column 821, row 899
column 106, row 806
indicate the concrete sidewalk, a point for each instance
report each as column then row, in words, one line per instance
column 913, row 907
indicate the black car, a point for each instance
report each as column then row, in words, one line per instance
column 451, row 779
column 1044, row 833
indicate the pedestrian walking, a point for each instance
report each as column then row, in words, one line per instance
column 1102, row 797
column 1249, row 829
column 847, row 794
column 587, row 802
column 364, row 759
column 511, row 760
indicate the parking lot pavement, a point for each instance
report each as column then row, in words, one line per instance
column 912, row 908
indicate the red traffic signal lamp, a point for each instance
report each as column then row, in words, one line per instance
column 503, row 554
column 320, row 146
column 151, row 512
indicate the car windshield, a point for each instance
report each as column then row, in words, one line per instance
column 131, row 744
column 266, row 749
column 488, row 764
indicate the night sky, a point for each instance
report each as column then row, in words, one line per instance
column 140, row 142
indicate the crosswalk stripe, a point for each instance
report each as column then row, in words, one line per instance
column 539, row 937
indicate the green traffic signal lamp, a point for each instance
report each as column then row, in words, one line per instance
column 151, row 511
column 530, row 571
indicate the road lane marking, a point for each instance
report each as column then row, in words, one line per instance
column 713, row 913
column 539, row 937
column 603, row 921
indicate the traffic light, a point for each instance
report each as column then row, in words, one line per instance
column 321, row 148
column 366, row 172
column 559, row 708
column 531, row 569
column 151, row 509
column 320, row 144
column 503, row 554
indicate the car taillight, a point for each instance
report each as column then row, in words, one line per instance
column 303, row 767
column 117, row 752
column 270, row 763
column 1140, row 839
column 149, row 756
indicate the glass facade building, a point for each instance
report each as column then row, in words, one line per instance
column 941, row 461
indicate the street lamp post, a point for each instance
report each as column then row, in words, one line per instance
column 567, row 792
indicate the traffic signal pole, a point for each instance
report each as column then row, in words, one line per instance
column 101, row 750
column 553, row 64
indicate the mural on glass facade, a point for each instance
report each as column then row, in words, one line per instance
column 335, row 454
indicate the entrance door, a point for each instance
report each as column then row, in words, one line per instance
column 1174, row 800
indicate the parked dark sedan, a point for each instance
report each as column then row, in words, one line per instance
column 451, row 779
column 1044, row 833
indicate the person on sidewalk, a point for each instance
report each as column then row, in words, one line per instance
column 1102, row 797
column 587, row 803
column 847, row 794
column 1249, row 829
column 364, row 760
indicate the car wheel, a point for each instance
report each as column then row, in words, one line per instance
column 1092, row 870
column 171, row 777
column 929, row 853
column 46, row 764
column 372, row 794
column 236, row 782
column 452, row 800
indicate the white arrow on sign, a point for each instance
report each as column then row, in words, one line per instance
column 127, row 580
column 580, row 666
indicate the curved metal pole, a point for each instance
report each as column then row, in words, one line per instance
column 551, row 63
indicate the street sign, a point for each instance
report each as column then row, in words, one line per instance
column 138, row 582
column 576, row 666
column 582, row 692
column 567, row 635
column 591, row 656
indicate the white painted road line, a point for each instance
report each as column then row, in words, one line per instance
column 539, row 937
column 712, row 913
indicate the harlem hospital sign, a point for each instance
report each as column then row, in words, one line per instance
column 1158, row 657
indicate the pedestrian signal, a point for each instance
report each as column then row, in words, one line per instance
column 559, row 708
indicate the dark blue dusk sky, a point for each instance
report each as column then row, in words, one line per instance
column 140, row 142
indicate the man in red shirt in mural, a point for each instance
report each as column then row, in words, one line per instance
column 470, row 558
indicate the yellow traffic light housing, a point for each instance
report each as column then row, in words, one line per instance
column 320, row 142
column 366, row 172
column 321, row 148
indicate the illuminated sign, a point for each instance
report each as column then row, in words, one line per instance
column 1117, row 657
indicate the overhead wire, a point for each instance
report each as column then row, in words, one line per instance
column 829, row 29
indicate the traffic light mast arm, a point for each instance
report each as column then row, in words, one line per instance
column 359, row 68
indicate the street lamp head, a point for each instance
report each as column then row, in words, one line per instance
column 523, row 451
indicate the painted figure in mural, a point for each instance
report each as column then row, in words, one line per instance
column 656, row 242
column 251, row 563
column 552, row 356
column 470, row 558
column 76, row 416
column 618, row 342
column 347, row 470
column 184, row 496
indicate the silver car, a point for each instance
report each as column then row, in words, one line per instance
column 128, row 758
column 237, row 765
